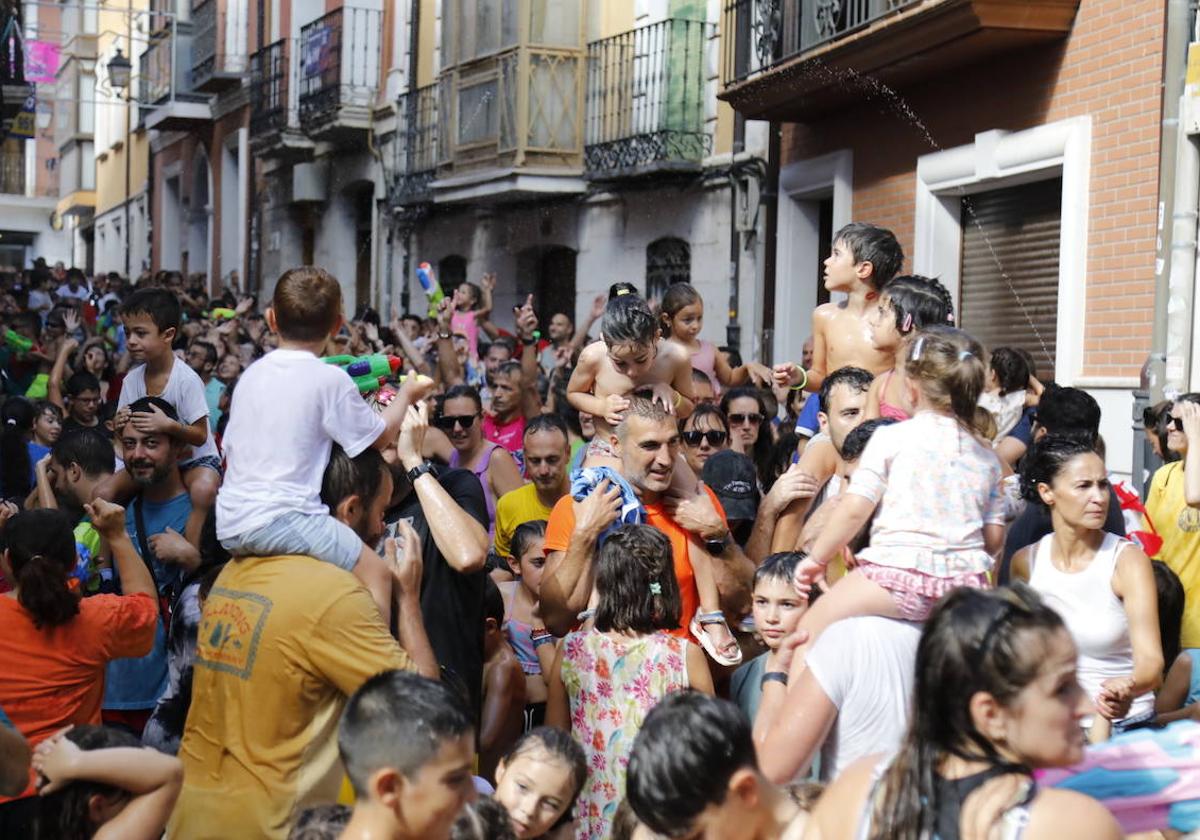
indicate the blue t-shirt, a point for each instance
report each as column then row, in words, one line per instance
column 138, row 683
column 36, row 453
column 807, row 424
column 4, row 721
column 212, row 395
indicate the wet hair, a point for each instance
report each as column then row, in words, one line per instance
column 41, row 407
column 706, row 410
column 1046, row 460
column 635, row 581
column 160, row 305
column 546, row 423
column 562, row 748
column 398, row 720
column 761, row 453
column 18, row 416
column 985, row 423
column 145, row 405
column 1011, row 370
column 621, row 289
column 483, row 819
column 307, row 303
column 1069, row 412
column 506, row 342
column 210, row 350
column 677, row 296
column 628, row 320
column 321, row 822
column 1171, row 597
column 66, row 814
column 41, row 551
column 455, row 392
column 643, row 407
column 975, row 640
column 493, row 602
column 918, row 302
column 876, row 245
column 947, row 365
column 778, row 567
column 524, row 534
column 359, row 476
column 90, row 449
column 857, row 438
column 856, row 379
column 683, row 759
column 80, row 381
column 509, row 367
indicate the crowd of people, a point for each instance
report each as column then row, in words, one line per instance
column 272, row 571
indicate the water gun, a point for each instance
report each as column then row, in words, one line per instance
column 433, row 289
column 220, row 313
column 1149, row 779
column 368, row 372
column 17, row 342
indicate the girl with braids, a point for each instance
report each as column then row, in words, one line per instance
column 682, row 315
column 906, row 305
column 937, row 487
column 996, row 693
column 607, row 678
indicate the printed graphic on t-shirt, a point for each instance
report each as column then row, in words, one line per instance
column 1189, row 520
column 230, row 631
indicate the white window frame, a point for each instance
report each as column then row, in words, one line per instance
column 999, row 159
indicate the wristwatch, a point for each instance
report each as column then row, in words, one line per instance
column 443, row 335
column 775, row 676
column 715, row 547
column 419, row 470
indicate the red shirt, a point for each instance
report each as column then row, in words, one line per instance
column 510, row 435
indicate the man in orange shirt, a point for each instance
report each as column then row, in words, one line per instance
column 647, row 442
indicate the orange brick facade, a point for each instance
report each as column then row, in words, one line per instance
column 1109, row 67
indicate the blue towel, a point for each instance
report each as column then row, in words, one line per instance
column 586, row 479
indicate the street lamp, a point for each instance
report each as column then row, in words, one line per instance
column 120, row 69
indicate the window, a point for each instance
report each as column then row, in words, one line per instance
column 87, row 104
column 478, row 114
column 1010, row 267
column 668, row 261
column 452, row 271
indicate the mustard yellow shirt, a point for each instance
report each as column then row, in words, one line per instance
column 515, row 508
column 1179, row 527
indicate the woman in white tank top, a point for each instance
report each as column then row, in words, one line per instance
column 1101, row 585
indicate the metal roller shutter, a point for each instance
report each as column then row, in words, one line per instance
column 1010, row 249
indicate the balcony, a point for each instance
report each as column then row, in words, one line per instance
column 339, row 73
column 415, row 146
column 790, row 60
column 219, row 59
column 646, row 103
column 164, row 82
column 274, row 113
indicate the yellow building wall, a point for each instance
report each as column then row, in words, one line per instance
column 110, row 172
column 115, row 25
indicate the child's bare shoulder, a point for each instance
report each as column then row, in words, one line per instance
column 590, row 356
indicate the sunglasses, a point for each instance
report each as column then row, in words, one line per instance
column 714, row 438
column 739, row 419
column 449, row 421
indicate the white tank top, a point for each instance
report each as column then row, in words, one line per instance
column 1093, row 613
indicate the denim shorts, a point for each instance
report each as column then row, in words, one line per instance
column 315, row 535
column 210, row 461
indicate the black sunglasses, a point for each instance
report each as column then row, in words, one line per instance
column 448, row 421
column 739, row 419
column 714, row 437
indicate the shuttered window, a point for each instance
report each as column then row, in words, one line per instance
column 1010, row 249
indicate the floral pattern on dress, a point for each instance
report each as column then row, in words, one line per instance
column 612, row 683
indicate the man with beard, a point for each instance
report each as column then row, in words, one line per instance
column 161, row 508
column 547, row 453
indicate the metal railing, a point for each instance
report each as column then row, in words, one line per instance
column 155, row 72
column 646, row 100
column 763, row 33
column 12, row 173
column 218, row 43
column 270, row 77
column 416, row 144
column 339, row 63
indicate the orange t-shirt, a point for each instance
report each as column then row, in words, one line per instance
column 54, row 677
column 562, row 524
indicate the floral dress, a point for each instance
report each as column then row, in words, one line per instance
column 612, row 683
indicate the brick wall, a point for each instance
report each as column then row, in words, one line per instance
column 1110, row 67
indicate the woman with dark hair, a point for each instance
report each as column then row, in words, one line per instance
column 606, row 678
column 1101, row 584
column 56, row 645
column 995, row 693
column 704, row 432
column 16, row 470
column 746, row 412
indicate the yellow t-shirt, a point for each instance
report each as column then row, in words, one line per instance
column 515, row 508
column 1179, row 527
column 282, row 642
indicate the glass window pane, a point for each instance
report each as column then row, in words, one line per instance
column 478, row 115
column 553, row 103
column 487, row 23
column 449, row 21
column 87, row 172
column 509, row 33
column 554, row 22
column 87, row 104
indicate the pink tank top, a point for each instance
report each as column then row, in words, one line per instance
column 705, row 359
column 465, row 323
column 886, row 409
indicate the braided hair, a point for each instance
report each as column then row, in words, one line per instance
column 919, row 302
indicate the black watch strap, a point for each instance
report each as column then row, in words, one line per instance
column 775, row 676
column 418, row 471
column 717, row 546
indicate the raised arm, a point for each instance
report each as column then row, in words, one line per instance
column 109, row 520
column 1190, row 413
column 527, row 322
column 447, row 360
column 581, row 332
column 403, row 556
column 58, row 372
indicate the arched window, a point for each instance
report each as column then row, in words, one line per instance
column 668, row 261
column 452, row 270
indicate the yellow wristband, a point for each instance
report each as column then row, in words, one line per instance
column 802, row 385
column 678, row 399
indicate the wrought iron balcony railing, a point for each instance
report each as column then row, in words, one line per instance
column 339, row 66
column 155, row 71
column 219, row 57
column 762, row 33
column 270, row 88
column 646, row 102
column 415, row 146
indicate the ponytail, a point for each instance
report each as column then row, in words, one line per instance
column 41, row 551
column 948, row 366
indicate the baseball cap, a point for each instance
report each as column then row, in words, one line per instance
column 731, row 475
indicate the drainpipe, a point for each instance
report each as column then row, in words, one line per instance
column 770, row 204
column 733, row 330
column 414, row 45
column 1166, row 366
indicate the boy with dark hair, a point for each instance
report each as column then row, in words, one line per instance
column 152, row 318
column 693, row 772
column 407, row 744
column 287, row 412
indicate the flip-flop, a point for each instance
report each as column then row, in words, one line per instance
column 697, row 630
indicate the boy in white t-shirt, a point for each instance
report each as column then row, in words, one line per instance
column 151, row 318
column 288, row 410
